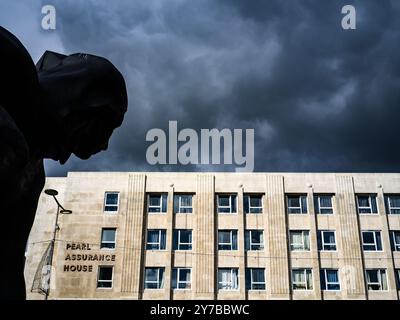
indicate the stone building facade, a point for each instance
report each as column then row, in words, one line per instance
column 139, row 235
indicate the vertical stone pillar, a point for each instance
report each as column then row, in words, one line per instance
column 241, row 249
column 385, row 233
column 133, row 242
column 276, row 234
column 351, row 263
column 204, row 266
column 170, row 255
column 314, row 243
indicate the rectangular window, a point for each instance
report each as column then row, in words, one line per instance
column 227, row 239
column 376, row 279
column 326, row 240
column 392, row 203
column 105, row 277
column 157, row 203
column 302, row 279
column 299, row 240
column 183, row 203
column 226, row 203
column 156, row 239
column 181, row 278
column 108, row 238
column 254, row 240
column 371, row 241
column 397, row 275
column 182, row 239
column 330, row 280
column 255, row 278
column 367, row 204
column 154, row 278
column 395, row 240
column 228, row 278
column 111, row 202
column 297, row 204
column 253, row 203
column 323, row 204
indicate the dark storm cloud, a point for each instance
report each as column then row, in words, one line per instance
column 332, row 97
column 319, row 98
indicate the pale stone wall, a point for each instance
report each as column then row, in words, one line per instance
column 83, row 193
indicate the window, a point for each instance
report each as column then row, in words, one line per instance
column 255, row 278
column 323, row 204
column 181, row 278
column 367, row 204
column 330, row 280
column 183, row 203
column 108, row 238
column 302, row 279
column 326, row 240
column 154, row 278
column 182, row 239
column 157, row 203
column 226, row 203
column 376, row 279
column 397, row 275
column 395, row 240
column 392, row 203
column 111, row 202
column 371, row 241
column 299, row 240
column 254, row 240
column 228, row 278
column 297, row 204
column 156, row 239
column 252, row 203
column 105, row 277
column 227, row 239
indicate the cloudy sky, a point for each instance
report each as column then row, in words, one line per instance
column 319, row 98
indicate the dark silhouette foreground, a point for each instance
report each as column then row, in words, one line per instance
column 65, row 105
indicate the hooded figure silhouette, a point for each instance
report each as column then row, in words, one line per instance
column 68, row 104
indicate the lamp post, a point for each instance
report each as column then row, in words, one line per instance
column 62, row 210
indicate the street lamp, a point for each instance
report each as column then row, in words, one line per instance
column 62, row 210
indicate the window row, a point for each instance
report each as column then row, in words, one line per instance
column 182, row 239
column 299, row 240
column 255, row 279
column 376, row 279
column 228, row 240
column 253, row 203
column 366, row 204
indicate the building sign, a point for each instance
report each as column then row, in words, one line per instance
column 77, row 262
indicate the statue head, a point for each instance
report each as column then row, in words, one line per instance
column 85, row 98
column 69, row 104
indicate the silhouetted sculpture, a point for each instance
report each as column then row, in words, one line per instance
column 67, row 104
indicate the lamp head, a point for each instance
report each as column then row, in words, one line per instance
column 51, row 192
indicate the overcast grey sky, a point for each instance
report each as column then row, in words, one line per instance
column 319, row 98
